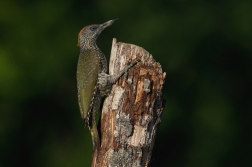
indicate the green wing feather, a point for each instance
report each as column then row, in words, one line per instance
column 87, row 73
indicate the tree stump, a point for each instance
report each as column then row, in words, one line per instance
column 132, row 112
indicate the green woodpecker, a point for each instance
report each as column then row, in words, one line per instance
column 93, row 82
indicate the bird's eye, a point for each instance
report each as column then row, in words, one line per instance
column 92, row 28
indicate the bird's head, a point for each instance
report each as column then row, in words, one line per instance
column 88, row 35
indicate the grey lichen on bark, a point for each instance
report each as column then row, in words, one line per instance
column 132, row 112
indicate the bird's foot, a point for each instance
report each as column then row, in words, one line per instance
column 105, row 81
column 129, row 65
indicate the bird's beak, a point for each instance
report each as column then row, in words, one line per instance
column 107, row 24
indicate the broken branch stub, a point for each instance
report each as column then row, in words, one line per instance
column 132, row 112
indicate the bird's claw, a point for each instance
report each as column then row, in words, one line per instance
column 129, row 65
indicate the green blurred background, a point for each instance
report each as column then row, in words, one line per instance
column 204, row 46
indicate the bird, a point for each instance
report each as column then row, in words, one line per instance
column 93, row 80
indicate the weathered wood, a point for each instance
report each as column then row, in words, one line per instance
column 132, row 112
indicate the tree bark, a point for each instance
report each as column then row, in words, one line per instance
column 132, row 112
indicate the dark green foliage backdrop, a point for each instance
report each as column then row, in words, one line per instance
column 204, row 46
